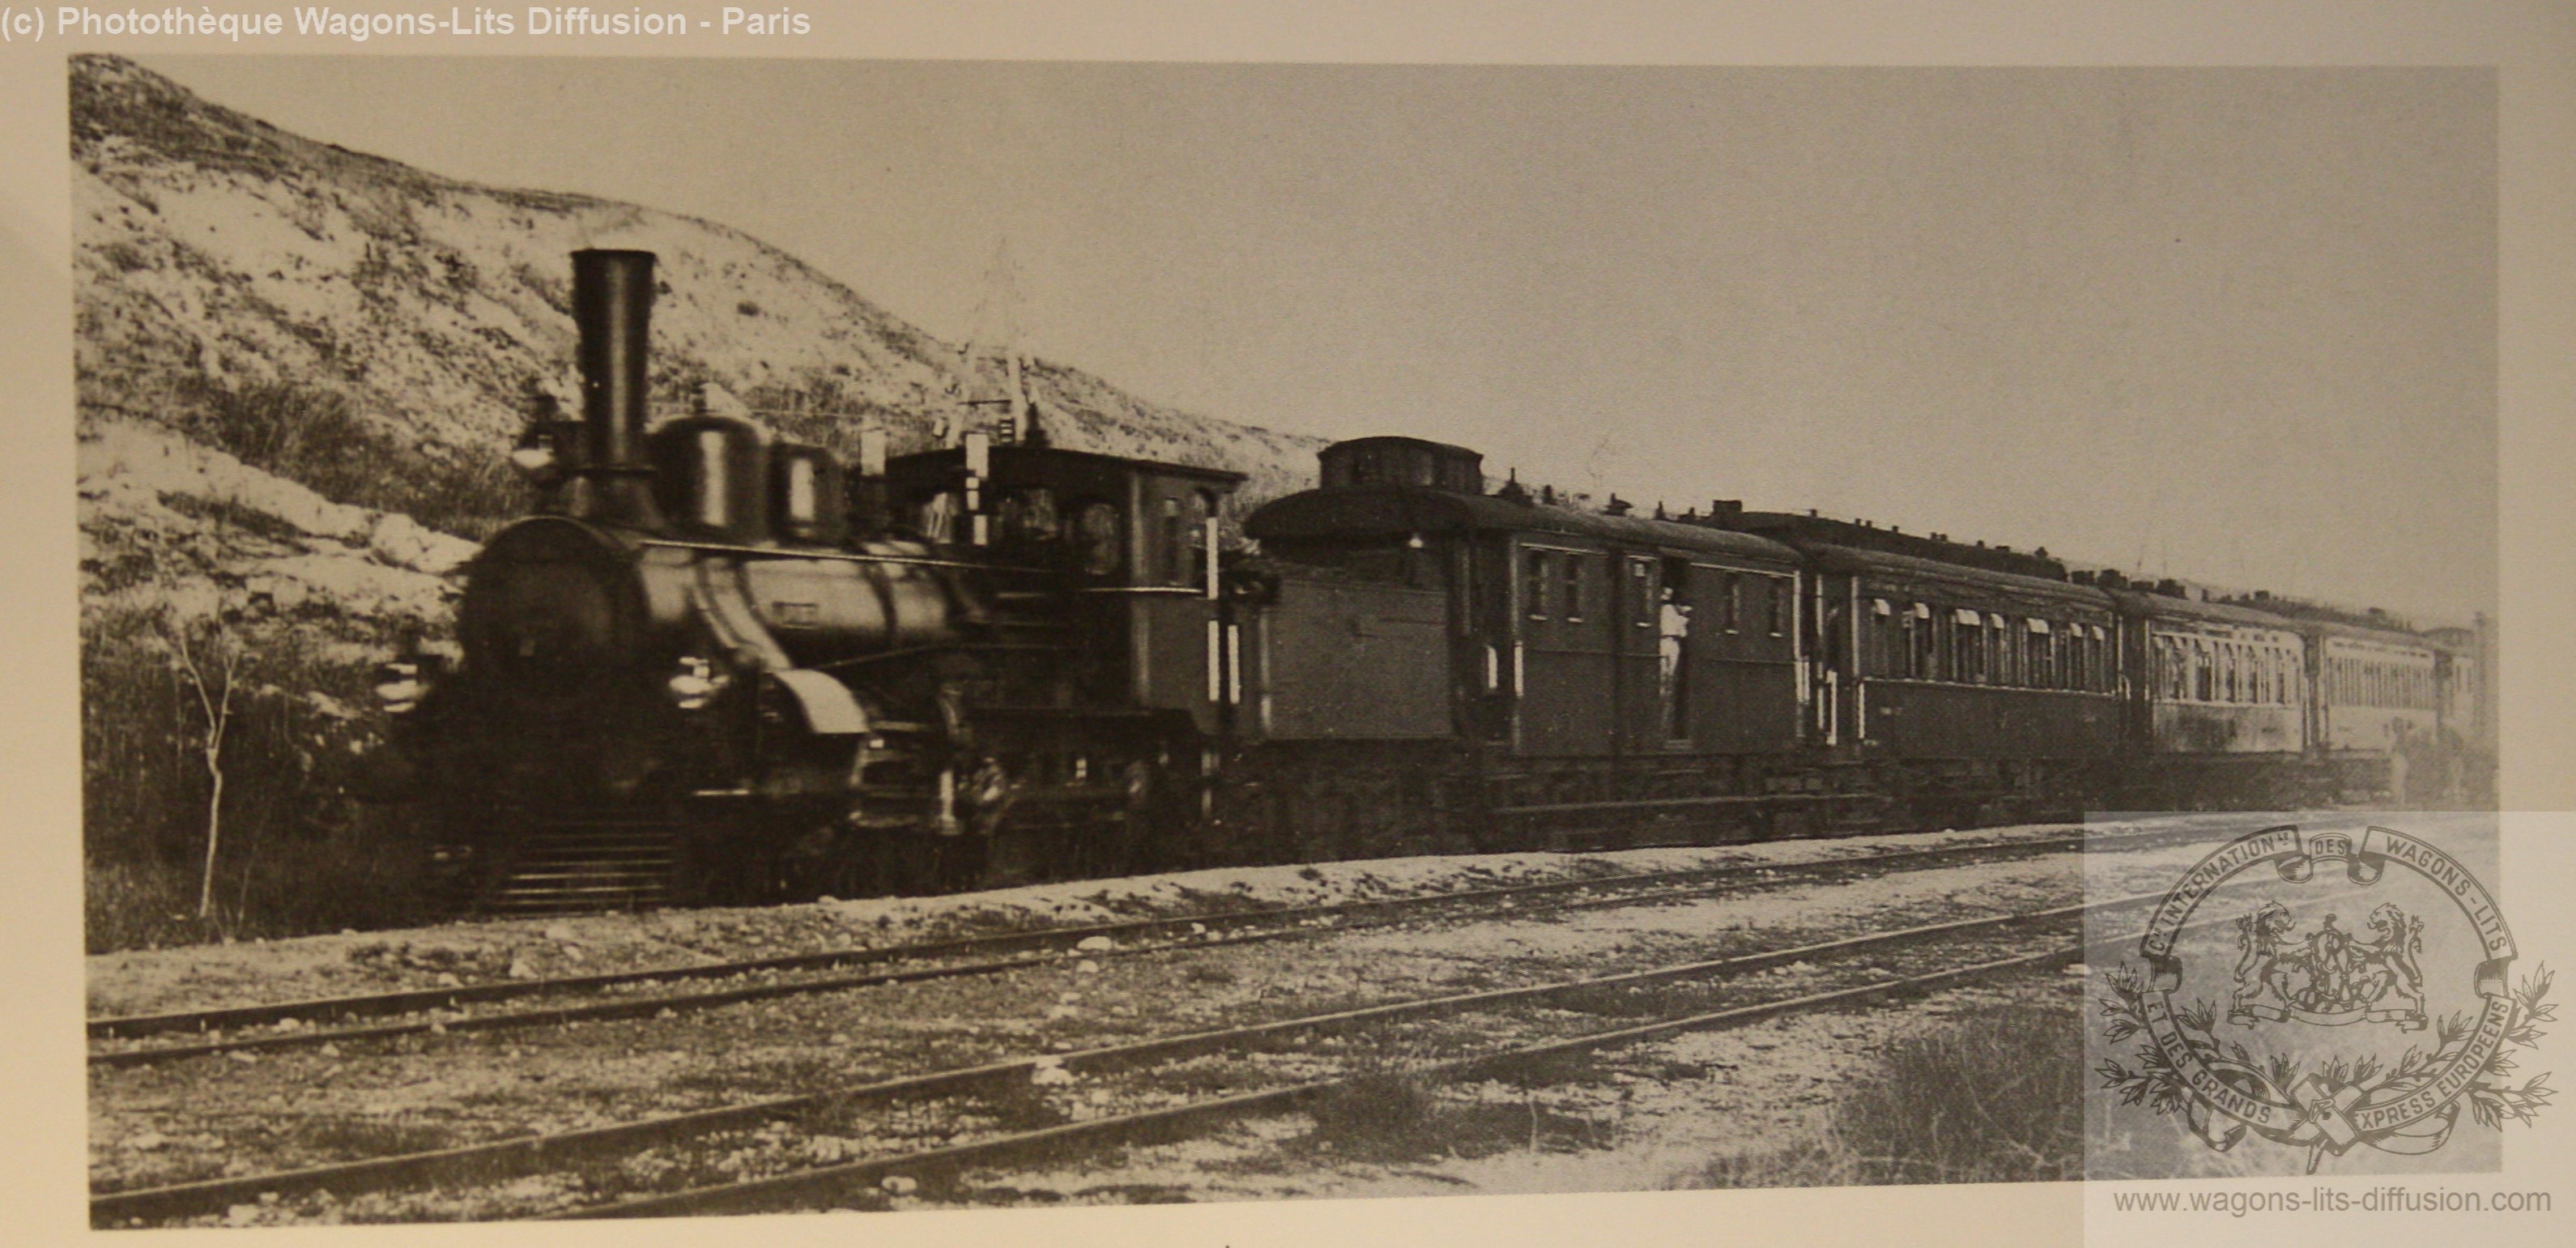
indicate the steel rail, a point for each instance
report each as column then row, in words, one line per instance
column 522, row 1154
column 1276, row 924
column 820, row 1179
column 415, row 1000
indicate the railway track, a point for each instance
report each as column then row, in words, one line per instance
column 824, row 1182
column 441, row 1010
column 1495, row 1027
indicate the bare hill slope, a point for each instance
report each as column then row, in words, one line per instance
column 226, row 267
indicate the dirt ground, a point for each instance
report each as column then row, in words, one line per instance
column 200, row 976
column 1646, row 1117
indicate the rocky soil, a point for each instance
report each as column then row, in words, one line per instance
column 199, row 977
column 202, row 1117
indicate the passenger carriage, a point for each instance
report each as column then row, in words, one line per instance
column 2219, row 707
column 1589, row 665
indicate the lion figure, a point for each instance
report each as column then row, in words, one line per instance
column 2260, row 940
column 2387, row 961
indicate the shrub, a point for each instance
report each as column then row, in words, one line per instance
column 298, row 855
column 317, row 438
column 1997, row 1099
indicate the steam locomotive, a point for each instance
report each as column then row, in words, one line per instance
column 715, row 665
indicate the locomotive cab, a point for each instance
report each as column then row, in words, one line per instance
column 1127, row 549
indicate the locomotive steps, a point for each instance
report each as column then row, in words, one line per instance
column 574, row 867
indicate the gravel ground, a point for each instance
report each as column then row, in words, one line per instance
column 201, row 976
column 203, row 1117
column 1646, row 1117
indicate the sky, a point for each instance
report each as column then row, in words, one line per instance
column 2236, row 325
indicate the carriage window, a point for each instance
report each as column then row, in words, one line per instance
column 1574, row 588
column 1534, row 580
column 1730, row 602
column 1176, row 544
column 2035, row 665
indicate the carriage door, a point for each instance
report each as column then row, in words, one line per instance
column 1644, row 712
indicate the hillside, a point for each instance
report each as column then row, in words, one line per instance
column 219, row 257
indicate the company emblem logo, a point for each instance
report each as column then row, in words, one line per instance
column 2342, row 947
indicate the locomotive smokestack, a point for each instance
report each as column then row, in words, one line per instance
column 612, row 303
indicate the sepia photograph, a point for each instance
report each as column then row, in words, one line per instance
column 693, row 637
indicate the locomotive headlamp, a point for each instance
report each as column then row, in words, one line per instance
column 535, row 462
column 695, row 684
column 541, row 453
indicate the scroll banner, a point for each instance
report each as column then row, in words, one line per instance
column 2410, row 1115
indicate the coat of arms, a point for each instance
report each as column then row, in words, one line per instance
column 2331, row 976
column 2329, row 972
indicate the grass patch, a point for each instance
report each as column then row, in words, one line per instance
column 361, row 1137
column 1388, row 1117
column 1019, row 1106
column 1994, row 1099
